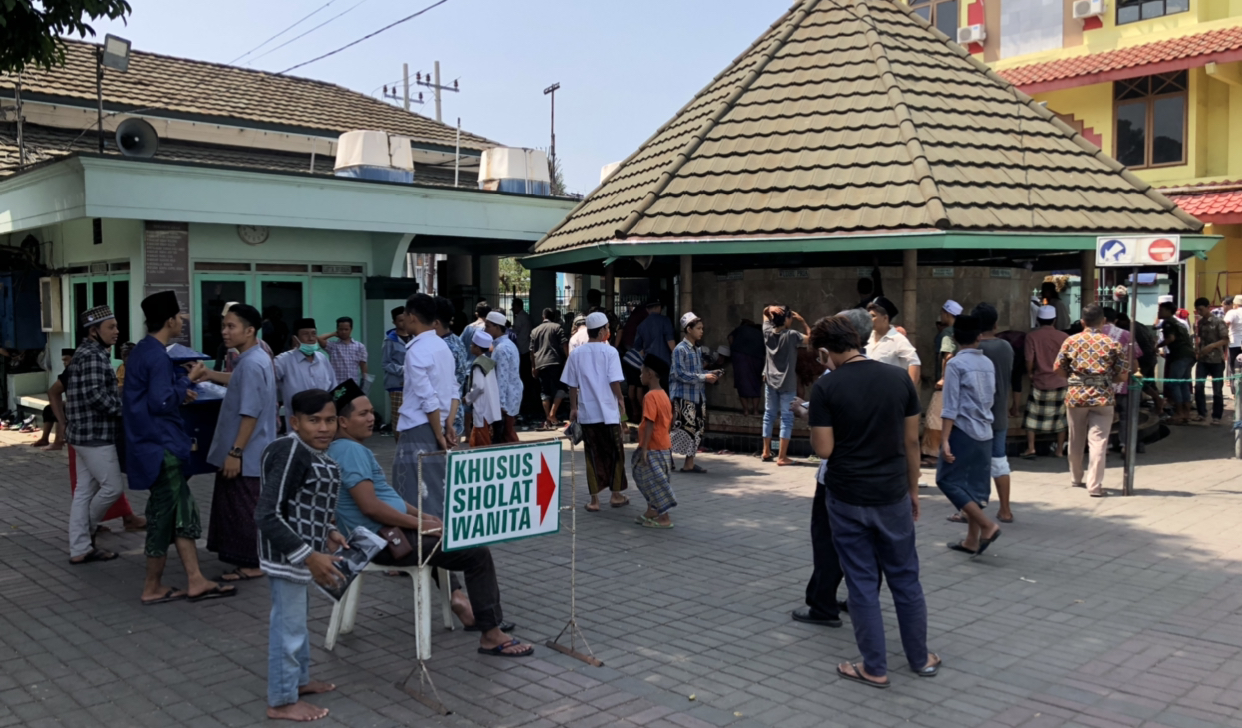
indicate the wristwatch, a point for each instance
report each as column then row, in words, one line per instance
column 236, row 453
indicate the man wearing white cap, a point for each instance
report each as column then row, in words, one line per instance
column 1233, row 321
column 92, row 414
column 946, row 347
column 578, row 336
column 484, row 394
column 686, row 380
column 593, row 375
column 508, row 376
column 1045, row 408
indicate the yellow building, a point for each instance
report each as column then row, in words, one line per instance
column 1157, row 84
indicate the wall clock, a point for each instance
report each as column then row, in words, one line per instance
column 253, row 234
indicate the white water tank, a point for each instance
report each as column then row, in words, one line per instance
column 521, row 171
column 374, row 155
column 606, row 171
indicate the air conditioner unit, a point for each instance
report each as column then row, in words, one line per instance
column 1084, row 9
column 971, row 34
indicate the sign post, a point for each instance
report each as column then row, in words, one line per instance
column 1135, row 251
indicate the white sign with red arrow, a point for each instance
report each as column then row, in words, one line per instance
column 496, row 494
column 1138, row 250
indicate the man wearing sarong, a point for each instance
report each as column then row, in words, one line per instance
column 508, row 376
column 157, row 448
column 933, row 427
column 686, row 384
column 593, row 375
column 246, row 425
column 1045, row 409
column 431, row 394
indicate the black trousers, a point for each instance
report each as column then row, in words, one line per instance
column 821, row 590
column 479, row 570
column 1217, row 373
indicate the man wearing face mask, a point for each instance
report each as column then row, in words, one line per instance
column 302, row 368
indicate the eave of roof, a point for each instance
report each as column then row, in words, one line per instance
column 1223, row 45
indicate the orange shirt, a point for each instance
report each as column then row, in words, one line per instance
column 658, row 414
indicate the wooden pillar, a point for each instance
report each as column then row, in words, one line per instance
column 685, row 282
column 609, row 285
column 909, row 290
column 1087, row 287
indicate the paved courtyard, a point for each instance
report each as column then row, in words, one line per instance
column 1112, row 612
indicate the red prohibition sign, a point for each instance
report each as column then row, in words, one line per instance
column 1161, row 250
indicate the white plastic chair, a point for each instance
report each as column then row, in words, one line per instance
column 346, row 610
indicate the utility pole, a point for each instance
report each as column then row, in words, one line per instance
column 392, row 95
column 551, row 91
column 426, row 79
column 405, row 76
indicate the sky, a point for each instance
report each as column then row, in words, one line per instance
column 625, row 66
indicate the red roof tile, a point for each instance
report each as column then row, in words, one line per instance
column 1223, row 207
column 1176, row 49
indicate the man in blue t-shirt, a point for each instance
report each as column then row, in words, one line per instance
column 368, row 500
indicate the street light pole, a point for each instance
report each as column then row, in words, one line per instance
column 551, row 91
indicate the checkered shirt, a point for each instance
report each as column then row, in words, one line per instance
column 92, row 400
column 686, row 377
column 346, row 359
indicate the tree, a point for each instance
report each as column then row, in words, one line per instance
column 30, row 32
column 513, row 274
column 557, row 175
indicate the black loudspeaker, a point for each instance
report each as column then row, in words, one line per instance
column 137, row 138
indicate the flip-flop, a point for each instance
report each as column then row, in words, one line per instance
column 1027, row 456
column 653, row 523
column 957, row 546
column 589, row 509
column 857, row 677
column 695, row 469
column 499, row 650
column 985, row 542
column 956, row 518
column 95, row 555
column 929, row 670
column 168, row 597
column 214, row 593
column 237, row 574
column 622, row 504
column 503, row 627
column 1005, row 520
column 768, row 459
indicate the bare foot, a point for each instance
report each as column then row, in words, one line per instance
column 460, row 604
column 316, row 687
column 592, row 507
column 300, row 711
column 162, row 592
column 54, row 448
column 784, row 461
column 39, row 443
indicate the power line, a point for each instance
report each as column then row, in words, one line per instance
column 306, row 33
column 286, row 30
column 366, row 37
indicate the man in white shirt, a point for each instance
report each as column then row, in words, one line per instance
column 578, row 336
column 302, row 368
column 508, row 375
column 889, row 345
column 430, row 400
column 593, row 375
column 1233, row 321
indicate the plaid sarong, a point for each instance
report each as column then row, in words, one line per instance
column 1045, row 411
column 652, row 479
column 395, row 399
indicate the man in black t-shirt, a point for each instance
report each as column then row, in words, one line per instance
column 865, row 422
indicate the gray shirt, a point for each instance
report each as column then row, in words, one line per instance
column 251, row 393
column 781, row 362
column 1000, row 353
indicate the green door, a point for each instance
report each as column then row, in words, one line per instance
column 103, row 290
column 333, row 297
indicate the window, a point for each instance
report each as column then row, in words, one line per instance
column 1132, row 11
column 1151, row 120
column 940, row 13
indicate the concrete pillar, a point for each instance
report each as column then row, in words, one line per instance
column 686, row 283
column 460, row 271
column 909, row 291
column 1088, row 285
column 489, row 277
column 542, row 292
column 609, row 285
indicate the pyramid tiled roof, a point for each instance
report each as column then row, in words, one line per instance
column 855, row 116
column 231, row 94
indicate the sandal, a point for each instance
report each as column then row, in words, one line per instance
column 619, row 504
column 858, row 677
column 169, row 596
column 499, row 650
column 930, row 669
column 653, row 523
column 237, row 575
column 95, row 555
column 956, row 518
column 957, row 546
column 216, row 592
column 695, row 469
column 985, row 542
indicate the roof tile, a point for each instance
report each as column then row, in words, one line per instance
column 812, row 145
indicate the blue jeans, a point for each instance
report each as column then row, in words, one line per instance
column 776, row 404
column 1179, row 392
column 871, row 540
column 288, row 642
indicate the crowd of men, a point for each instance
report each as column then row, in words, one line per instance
column 300, row 492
